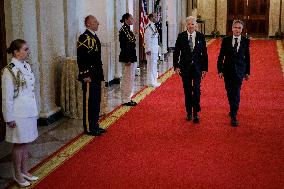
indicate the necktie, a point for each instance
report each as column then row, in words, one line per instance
column 190, row 43
column 236, row 45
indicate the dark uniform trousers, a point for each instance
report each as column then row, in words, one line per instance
column 91, row 105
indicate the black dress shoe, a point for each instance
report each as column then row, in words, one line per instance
column 196, row 119
column 95, row 133
column 102, row 130
column 189, row 117
column 234, row 122
column 130, row 103
column 133, row 103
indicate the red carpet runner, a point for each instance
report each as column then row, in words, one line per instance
column 153, row 146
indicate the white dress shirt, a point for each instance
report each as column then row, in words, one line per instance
column 94, row 33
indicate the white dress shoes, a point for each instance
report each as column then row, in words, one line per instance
column 31, row 178
column 154, row 85
column 22, row 184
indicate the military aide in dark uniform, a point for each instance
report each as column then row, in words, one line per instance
column 191, row 62
column 90, row 74
column 128, row 59
column 234, row 65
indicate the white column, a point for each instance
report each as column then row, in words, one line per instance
column 172, row 21
column 21, row 16
column 71, row 27
column 51, row 47
column 274, row 12
column 183, row 15
column 136, row 25
column 189, row 8
column 120, row 9
column 221, row 16
column 164, row 26
column 103, row 10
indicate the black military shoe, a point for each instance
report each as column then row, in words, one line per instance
column 130, row 103
column 102, row 130
column 95, row 133
column 133, row 103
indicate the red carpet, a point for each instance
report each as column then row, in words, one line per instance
column 153, row 146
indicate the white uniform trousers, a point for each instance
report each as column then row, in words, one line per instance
column 127, row 82
column 152, row 64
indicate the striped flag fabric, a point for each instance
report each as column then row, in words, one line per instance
column 143, row 17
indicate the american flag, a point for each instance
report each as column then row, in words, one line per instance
column 143, row 17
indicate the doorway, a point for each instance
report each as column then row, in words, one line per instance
column 254, row 13
column 3, row 62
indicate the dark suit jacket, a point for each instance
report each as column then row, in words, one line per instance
column 232, row 63
column 89, row 57
column 183, row 57
column 127, row 45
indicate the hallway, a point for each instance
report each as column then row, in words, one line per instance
column 147, row 146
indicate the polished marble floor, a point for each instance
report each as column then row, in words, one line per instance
column 54, row 136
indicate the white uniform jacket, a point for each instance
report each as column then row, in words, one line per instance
column 18, row 101
column 151, row 38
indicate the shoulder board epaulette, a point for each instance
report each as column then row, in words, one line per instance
column 11, row 65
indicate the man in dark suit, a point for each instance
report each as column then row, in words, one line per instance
column 234, row 65
column 191, row 62
column 90, row 74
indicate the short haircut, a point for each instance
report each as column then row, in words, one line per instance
column 87, row 18
column 238, row 21
column 192, row 18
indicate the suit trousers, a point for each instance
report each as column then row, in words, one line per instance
column 233, row 88
column 191, row 85
column 152, row 66
column 91, row 105
column 127, row 82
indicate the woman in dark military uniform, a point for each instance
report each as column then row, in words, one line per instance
column 128, row 59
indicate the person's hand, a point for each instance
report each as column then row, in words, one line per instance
column 178, row 71
column 128, row 64
column 11, row 124
column 247, row 77
column 221, row 75
column 148, row 53
column 203, row 74
column 87, row 80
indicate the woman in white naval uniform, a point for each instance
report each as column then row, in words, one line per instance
column 19, row 109
column 152, row 50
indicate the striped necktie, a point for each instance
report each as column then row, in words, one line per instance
column 236, row 44
column 190, row 43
